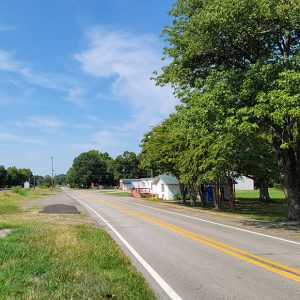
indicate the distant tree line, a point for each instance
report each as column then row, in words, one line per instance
column 96, row 168
column 13, row 176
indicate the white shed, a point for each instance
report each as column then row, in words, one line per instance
column 244, row 183
column 165, row 186
column 128, row 184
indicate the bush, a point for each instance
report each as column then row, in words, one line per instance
column 18, row 190
column 176, row 197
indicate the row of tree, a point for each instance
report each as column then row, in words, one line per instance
column 96, row 168
column 235, row 65
column 13, row 176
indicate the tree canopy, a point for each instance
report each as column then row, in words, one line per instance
column 89, row 168
column 235, row 66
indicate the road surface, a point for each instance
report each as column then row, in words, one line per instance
column 188, row 257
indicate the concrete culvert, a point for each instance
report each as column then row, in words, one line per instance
column 60, row 209
column 4, row 232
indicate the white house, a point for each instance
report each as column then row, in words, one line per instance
column 165, row 186
column 244, row 183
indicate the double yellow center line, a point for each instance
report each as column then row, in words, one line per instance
column 275, row 267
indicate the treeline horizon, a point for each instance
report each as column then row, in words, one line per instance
column 13, row 176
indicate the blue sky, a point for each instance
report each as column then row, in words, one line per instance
column 74, row 76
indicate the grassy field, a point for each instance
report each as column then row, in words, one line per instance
column 61, row 257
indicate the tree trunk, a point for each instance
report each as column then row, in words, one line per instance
column 288, row 167
column 217, row 195
column 193, row 195
column 231, row 193
column 263, row 186
column 183, row 193
column 202, row 195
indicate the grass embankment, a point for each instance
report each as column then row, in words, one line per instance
column 61, row 257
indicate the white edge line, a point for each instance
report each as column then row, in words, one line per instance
column 168, row 290
column 215, row 223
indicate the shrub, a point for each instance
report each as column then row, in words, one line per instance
column 176, row 197
column 18, row 190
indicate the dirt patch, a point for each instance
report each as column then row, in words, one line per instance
column 60, row 209
column 53, row 199
column 5, row 232
column 289, row 225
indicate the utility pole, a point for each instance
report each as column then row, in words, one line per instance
column 52, row 179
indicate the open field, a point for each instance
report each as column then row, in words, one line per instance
column 61, row 256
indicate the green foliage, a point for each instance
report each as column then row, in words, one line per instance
column 15, row 177
column 176, row 197
column 3, row 176
column 126, row 165
column 90, row 168
column 236, row 67
column 161, row 147
column 18, row 190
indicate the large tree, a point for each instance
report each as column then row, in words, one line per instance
column 252, row 45
column 17, row 177
column 89, row 168
column 125, row 166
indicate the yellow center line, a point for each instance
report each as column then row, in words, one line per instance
column 236, row 252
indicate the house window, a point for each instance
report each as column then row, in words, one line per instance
column 162, row 188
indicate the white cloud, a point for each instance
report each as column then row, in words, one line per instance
column 130, row 61
column 105, row 139
column 8, row 137
column 55, row 81
column 7, row 62
column 44, row 122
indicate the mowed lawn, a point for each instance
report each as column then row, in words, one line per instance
column 247, row 204
column 61, row 257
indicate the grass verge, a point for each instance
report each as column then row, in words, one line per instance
column 65, row 257
column 120, row 194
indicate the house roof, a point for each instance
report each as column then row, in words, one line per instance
column 126, row 181
column 167, row 179
column 129, row 181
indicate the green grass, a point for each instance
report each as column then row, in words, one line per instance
column 121, row 194
column 247, row 204
column 274, row 194
column 46, row 257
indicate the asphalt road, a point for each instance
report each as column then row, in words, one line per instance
column 186, row 257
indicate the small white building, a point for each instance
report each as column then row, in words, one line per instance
column 26, row 185
column 165, row 186
column 245, row 183
column 128, row 184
